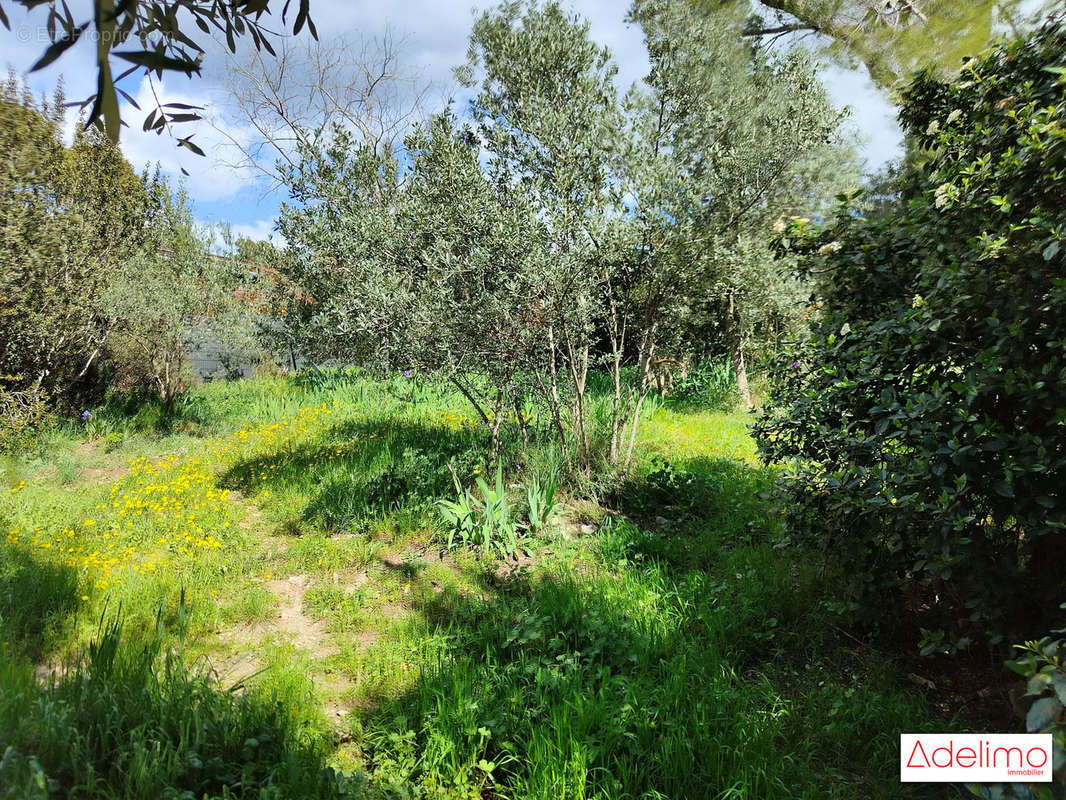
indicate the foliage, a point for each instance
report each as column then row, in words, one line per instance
column 541, row 504
column 166, row 46
column 22, row 416
column 486, row 522
column 172, row 294
column 894, row 40
column 68, row 217
column 728, row 138
column 923, row 421
column 1041, row 662
column 706, row 384
column 556, row 227
column 433, row 279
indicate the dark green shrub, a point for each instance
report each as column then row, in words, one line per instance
column 1042, row 663
column 924, row 421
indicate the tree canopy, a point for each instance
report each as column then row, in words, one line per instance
column 895, row 38
column 559, row 226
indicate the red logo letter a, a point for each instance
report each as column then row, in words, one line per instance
column 917, row 747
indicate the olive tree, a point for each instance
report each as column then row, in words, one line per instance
column 721, row 142
column 440, row 278
column 170, row 295
column 548, row 116
column 562, row 228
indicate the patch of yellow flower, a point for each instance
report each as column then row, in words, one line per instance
column 168, row 511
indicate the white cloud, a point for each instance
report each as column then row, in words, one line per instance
column 209, row 178
column 260, row 231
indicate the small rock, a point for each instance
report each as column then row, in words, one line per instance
column 661, row 521
column 588, row 530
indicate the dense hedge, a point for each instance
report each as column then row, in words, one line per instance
column 924, row 420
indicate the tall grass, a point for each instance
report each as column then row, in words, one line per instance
column 136, row 719
column 709, row 385
column 675, row 651
column 688, row 663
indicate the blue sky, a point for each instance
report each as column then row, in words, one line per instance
column 435, row 39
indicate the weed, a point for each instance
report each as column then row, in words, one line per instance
column 485, row 522
column 540, row 501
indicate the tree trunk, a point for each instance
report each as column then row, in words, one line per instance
column 497, row 420
column 736, row 352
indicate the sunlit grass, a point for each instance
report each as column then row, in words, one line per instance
column 674, row 652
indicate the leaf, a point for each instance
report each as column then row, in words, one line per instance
column 129, row 100
column 1037, row 684
column 189, row 145
column 109, row 105
column 1058, row 682
column 1042, row 713
column 106, row 105
column 302, row 16
column 149, row 59
column 1023, row 666
column 58, row 47
column 1051, row 251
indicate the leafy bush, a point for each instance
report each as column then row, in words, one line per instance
column 69, row 215
column 22, row 414
column 923, row 422
column 1043, row 665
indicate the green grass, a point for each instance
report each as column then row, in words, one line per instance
column 678, row 651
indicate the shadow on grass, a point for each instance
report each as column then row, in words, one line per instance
column 690, row 509
column 634, row 682
column 362, row 470
column 38, row 601
column 689, row 661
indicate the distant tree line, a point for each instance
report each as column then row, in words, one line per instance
column 103, row 272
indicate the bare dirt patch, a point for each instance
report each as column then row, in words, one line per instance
column 303, row 631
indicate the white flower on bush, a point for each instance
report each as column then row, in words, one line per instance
column 944, row 195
